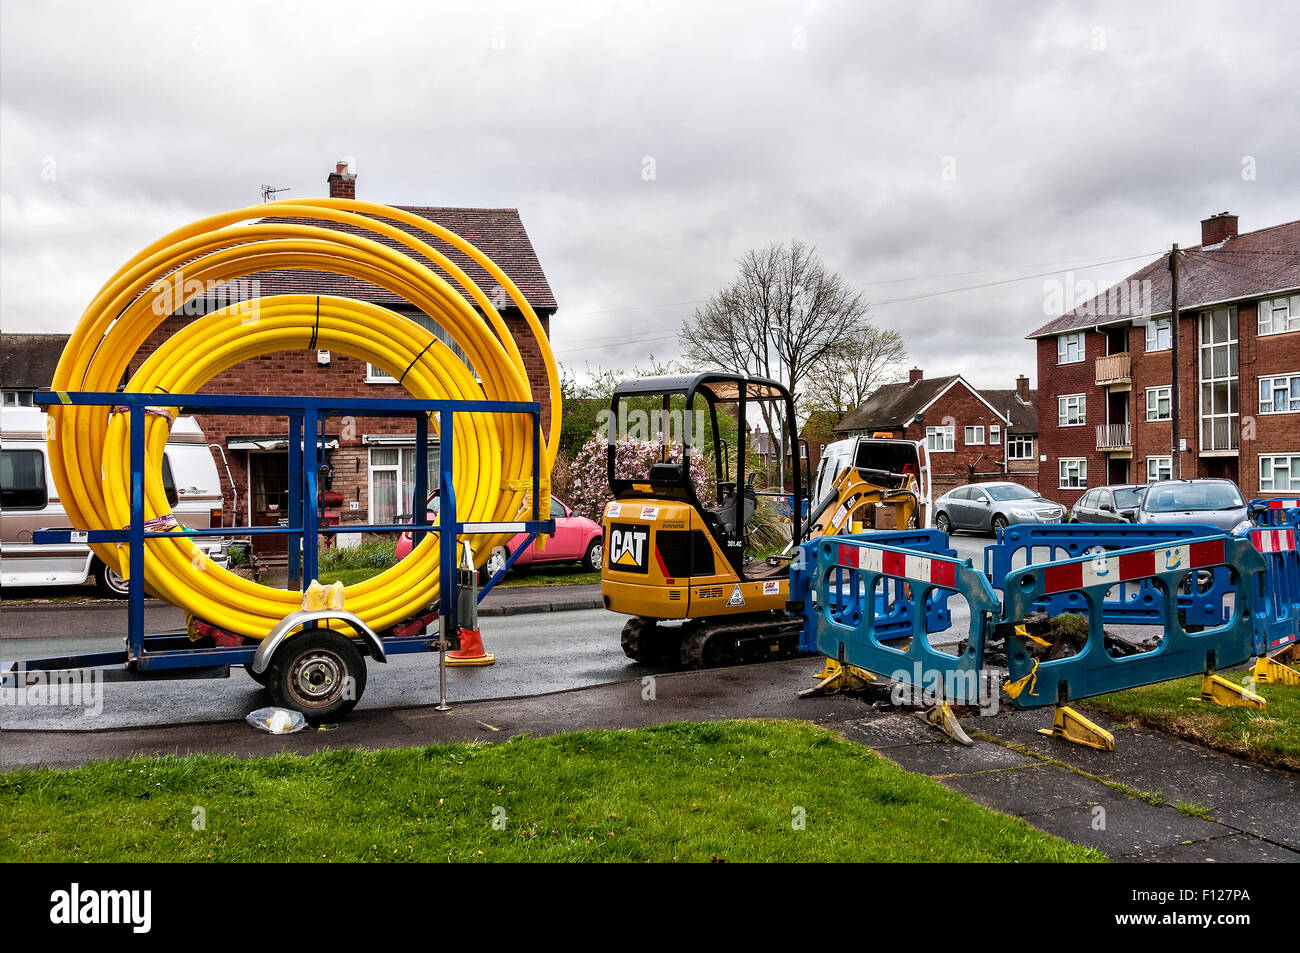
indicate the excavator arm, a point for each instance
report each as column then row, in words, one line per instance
column 856, row 488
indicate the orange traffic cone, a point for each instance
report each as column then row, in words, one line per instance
column 471, row 651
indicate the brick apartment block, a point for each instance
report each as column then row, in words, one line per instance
column 972, row 435
column 1239, row 370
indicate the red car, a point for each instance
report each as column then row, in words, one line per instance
column 576, row 539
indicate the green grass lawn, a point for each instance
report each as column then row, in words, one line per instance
column 1268, row 736
column 566, row 574
column 734, row 791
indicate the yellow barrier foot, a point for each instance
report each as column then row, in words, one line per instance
column 1289, row 655
column 836, row 677
column 1217, row 689
column 1272, row 672
column 940, row 716
column 1070, row 726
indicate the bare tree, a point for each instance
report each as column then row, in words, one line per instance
column 782, row 316
column 845, row 377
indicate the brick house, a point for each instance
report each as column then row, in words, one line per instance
column 971, row 434
column 372, row 463
column 1106, row 369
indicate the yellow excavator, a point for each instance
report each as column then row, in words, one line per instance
column 687, row 569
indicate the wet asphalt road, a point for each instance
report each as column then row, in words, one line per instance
column 536, row 654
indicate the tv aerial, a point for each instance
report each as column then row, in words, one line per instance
column 269, row 192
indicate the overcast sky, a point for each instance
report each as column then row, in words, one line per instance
column 921, row 147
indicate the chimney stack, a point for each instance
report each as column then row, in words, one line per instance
column 1022, row 387
column 1218, row 228
column 914, row 375
column 343, row 184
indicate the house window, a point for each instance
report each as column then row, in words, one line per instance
column 18, row 398
column 392, row 481
column 995, row 434
column 1279, row 473
column 1159, row 337
column 1159, row 468
column 1069, row 348
column 1218, row 359
column 1072, row 410
column 974, row 435
column 1279, row 315
column 1160, row 403
column 1279, row 395
column 1074, row 473
column 1020, row 447
column 940, row 439
column 377, row 375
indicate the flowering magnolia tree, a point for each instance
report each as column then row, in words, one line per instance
column 588, row 483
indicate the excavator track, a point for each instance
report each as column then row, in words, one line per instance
column 645, row 641
column 712, row 643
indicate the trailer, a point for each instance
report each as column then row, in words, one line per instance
column 306, row 661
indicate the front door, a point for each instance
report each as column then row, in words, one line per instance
column 269, row 482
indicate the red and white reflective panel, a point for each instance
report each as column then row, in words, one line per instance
column 1273, row 540
column 888, row 562
column 1108, row 569
column 1284, row 504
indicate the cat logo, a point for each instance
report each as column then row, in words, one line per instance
column 629, row 547
column 737, row 598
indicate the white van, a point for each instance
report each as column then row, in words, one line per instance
column 28, row 503
column 893, row 454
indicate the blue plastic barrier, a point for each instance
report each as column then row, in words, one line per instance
column 1136, row 603
column 1277, row 511
column 851, row 567
column 1093, row 671
column 893, row 609
column 1277, row 602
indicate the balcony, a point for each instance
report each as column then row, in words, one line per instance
column 1114, row 369
column 1115, row 436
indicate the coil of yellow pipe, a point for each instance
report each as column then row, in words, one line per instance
column 492, row 453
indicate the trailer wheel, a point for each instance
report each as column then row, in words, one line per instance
column 110, row 582
column 319, row 673
column 260, row 679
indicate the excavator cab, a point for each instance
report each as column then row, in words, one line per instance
column 682, row 540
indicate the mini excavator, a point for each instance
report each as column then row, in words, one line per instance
column 687, row 568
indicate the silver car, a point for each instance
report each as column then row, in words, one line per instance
column 1215, row 502
column 985, row 507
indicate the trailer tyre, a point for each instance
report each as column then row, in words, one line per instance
column 110, row 583
column 319, row 673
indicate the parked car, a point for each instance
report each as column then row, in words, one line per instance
column 1109, row 504
column 576, row 539
column 29, row 503
column 1215, row 502
column 985, row 507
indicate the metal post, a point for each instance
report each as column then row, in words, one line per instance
column 421, row 492
column 294, row 514
column 310, row 512
column 1176, row 469
column 135, row 555
column 446, row 551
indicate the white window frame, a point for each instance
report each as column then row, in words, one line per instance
column 377, row 375
column 1284, row 310
column 1230, row 381
column 1063, row 343
column 399, row 469
column 995, row 435
column 18, row 398
column 1154, row 406
column 1019, row 441
column 1154, row 328
column 1269, row 462
column 1077, row 465
column 1158, row 465
column 1079, row 402
column 1269, row 382
column 966, row 436
column 946, row 435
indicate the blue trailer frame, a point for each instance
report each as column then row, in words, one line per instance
column 172, row 654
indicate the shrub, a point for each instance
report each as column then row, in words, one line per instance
column 587, row 475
